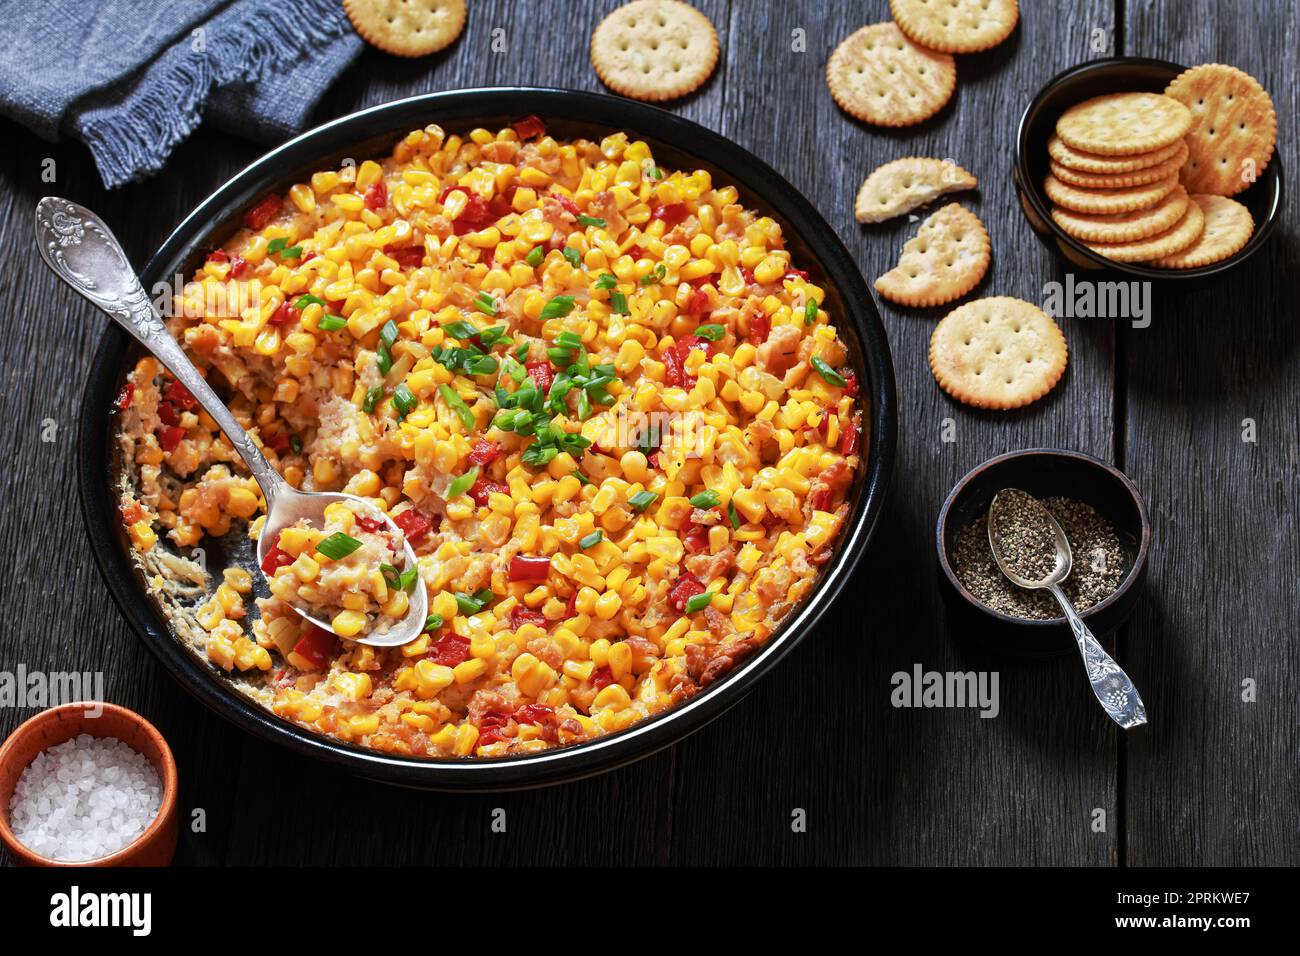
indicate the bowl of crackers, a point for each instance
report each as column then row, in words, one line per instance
column 1150, row 168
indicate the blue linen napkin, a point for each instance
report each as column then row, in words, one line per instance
column 132, row 78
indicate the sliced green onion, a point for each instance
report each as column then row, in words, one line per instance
column 618, row 303
column 392, row 576
column 699, row 602
column 706, row 499
column 713, row 332
column 558, row 307
column 573, row 255
column 295, row 443
column 332, row 323
column 810, row 312
column 732, row 516
column 643, row 500
column 521, row 353
column 486, row 303
column 585, row 221
column 407, row 581
column 656, row 276
column 281, row 247
column 462, row 483
column 582, row 479
column 828, row 373
column 338, row 545
column 591, row 540
column 373, row 395
column 468, row 603
column 606, row 281
column 404, row 401
column 388, row 333
column 306, row 300
column 460, row 329
column 433, row 622
column 457, row 405
column 535, row 257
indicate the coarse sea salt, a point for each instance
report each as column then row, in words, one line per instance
column 84, row 799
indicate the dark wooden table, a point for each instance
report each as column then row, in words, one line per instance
column 1213, row 780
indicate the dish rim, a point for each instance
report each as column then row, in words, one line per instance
column 1033, row 191
column 456, row 108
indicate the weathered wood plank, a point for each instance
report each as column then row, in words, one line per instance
column 1215, row 779
column 910, row 786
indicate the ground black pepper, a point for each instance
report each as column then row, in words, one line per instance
column 1100, row 563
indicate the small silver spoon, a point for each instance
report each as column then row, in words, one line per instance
column 85, row 254
column 1109, row 682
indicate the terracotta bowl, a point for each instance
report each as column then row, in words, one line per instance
column 154, row 847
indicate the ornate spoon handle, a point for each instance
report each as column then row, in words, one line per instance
column 1112, row 686
column 84, row 253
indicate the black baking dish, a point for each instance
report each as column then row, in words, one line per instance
column 677, row 142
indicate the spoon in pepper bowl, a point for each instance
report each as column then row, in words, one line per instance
column 1015, row 558
column 84, row 253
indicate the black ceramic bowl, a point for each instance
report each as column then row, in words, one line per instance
column 1097, row 78
column 677, row 142
column 1043, row 472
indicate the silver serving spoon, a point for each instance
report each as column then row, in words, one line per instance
column 1109, row 682
column 85, row 254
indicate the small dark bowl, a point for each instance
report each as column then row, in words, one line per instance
column 1043, row 472
column 1097, row 78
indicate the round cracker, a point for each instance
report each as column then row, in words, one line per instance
column 997, row 353
column 1124, row 123
column 946, row 258
column 880, row 76
column 1072, row 158
column 956, row 26
column 904, row 184
column 1138, row 177
column 1125, row 226
column 407, row 27
column 1184, row 233
column 1233, row 131
column 1101, row 202
column 1228, row 227
column 654, row 49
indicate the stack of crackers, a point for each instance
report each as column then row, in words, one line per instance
column 901, row 73
column 1145, row 177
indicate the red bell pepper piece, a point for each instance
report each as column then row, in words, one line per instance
column 376, row 196
column 795, row 274
column 170, row 437
column 414, row 524
column 262, row 213
column 124, row 397
column 521, row 615
column 569, row 205
column 686, row 587
column 541, row 374
column 492, row 727
column 671, row 214
column 850, row 383
column 482, row 489
column 286, row 314
column 760, row 329
column 821, row 498
column 317, row 647
column 602, row 677
column 524, row 567
column 697, row 538
column 180, row 396
column 275, row 558
column 371, row 524
column 674, row 373
column 167, row 414
column 450, row 649
column 528, row 127
column 849, row 441
column 534, row 714
column 238, row 267
column 484, row 452
column 408, row 257
column 218, row 256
